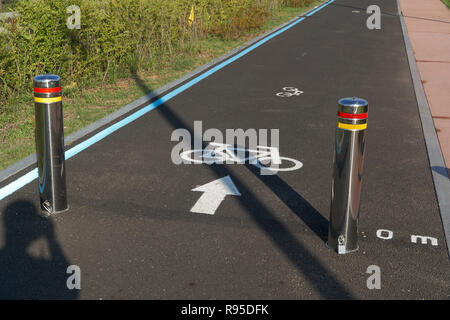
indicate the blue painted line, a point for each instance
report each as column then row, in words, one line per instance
column 18, row 184
column 32, row 175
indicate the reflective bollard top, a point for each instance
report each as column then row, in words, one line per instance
column 352, row 113
column 46, row 87
column 47, row 81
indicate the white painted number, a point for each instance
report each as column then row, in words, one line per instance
column 388, row 235
column 424, row 240
column 385, row 234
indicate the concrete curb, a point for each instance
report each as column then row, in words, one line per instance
column 31, row 160
column 441, row 179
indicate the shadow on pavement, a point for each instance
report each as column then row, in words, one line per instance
column 317, row 275
column 302, row 208
column 25, row 276
column 442, row 171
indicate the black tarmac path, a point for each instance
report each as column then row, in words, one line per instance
column 130, row 229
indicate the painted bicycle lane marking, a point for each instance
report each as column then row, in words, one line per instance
column 289, row 92
column 267, row 159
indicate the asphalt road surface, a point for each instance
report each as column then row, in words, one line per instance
column 130, row 227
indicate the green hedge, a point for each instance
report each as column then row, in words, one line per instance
column 115, row 36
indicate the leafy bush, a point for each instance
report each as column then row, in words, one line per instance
column 116, row 36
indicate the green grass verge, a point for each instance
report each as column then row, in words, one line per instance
column 83, row 106
column 446, row 2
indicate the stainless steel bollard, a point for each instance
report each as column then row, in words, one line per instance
column 347, row 174
column 50, row 144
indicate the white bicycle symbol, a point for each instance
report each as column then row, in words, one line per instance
column 289, row 92
column 218, row 153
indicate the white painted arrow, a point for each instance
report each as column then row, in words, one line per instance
column 214, row 193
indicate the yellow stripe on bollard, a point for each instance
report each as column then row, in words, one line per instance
column 47, row 100
column 352, row 126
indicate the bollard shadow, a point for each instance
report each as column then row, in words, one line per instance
column 443, row 171
column 298, row 205
column 26, row 276
column 318, row 275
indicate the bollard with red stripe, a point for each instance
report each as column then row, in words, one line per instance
column 49, row 136
column 347, row 174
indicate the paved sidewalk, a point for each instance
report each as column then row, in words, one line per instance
column 428, row 24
